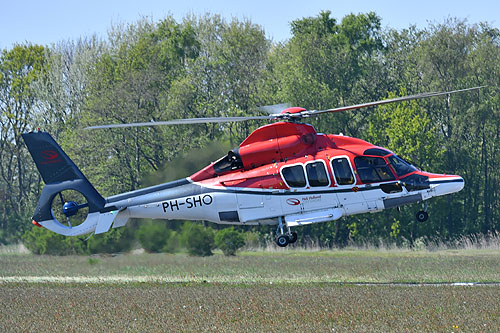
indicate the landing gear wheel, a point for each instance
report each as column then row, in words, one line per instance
column 282, row 240
column 422, row 216
column 292, row 238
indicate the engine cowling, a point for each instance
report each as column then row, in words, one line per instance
column 276, row 143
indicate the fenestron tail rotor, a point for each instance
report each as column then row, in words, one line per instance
column 278, row 112
column 70, row 208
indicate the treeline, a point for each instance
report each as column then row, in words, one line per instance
column 208, row 67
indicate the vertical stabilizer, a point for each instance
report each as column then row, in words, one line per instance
column 60, row 173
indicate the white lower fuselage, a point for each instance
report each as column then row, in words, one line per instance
column 187, row 200
column 255, row 206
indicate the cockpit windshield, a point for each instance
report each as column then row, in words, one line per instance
column 373, row 169
column 400, row 166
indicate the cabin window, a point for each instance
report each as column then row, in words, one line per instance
column 342, row 171
column 372, row 169
column 400, row 166
column 316, row 174
column 294, row 176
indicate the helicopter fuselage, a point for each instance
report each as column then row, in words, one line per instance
column 283, row 173
column 302, row 176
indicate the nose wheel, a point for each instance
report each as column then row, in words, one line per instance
column 422, row 216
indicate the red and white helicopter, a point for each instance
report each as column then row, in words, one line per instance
column 283, row 173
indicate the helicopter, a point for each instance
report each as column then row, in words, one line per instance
column 284, row 174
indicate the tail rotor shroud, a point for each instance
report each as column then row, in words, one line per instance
column 84, row 211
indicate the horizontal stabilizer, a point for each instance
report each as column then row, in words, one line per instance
column 122, row 218
column 105, row 221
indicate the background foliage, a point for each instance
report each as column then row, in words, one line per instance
column 229, row 240
column 206, row 66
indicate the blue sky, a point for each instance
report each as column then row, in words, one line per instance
column 50, row 21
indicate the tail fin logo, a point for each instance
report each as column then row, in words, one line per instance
column 50, row 156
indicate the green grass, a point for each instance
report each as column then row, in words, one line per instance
column 248, row 308
column 253, row 292
column 262, row 267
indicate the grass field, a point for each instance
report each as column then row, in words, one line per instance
column 255, row 291
column 265, row 267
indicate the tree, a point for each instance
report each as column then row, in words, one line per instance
column 449, row 56
column 43, row 241
column 113, row 241
column 61, row 93
column 155, row 236
column 131, row 82
column 228, row 73
column 199, row 240
column 328, row 64
column 20, row 67
column 229, row 241
column 404, row 128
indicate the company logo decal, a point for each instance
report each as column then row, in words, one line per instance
column 50, row 156
column 293, row 201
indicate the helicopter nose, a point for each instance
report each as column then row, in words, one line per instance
column 450, row 184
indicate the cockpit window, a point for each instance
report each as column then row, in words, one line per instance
column 294, row 176
column 400, row 166
column 342, row 170
column 372, row 169
column 316, row 174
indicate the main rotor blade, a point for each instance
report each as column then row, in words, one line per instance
column 386, row 101
column 278, row 108
column 185, row 121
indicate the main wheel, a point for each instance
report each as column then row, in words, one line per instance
column 293, row 237
column 282, row 240
column 422, row 216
